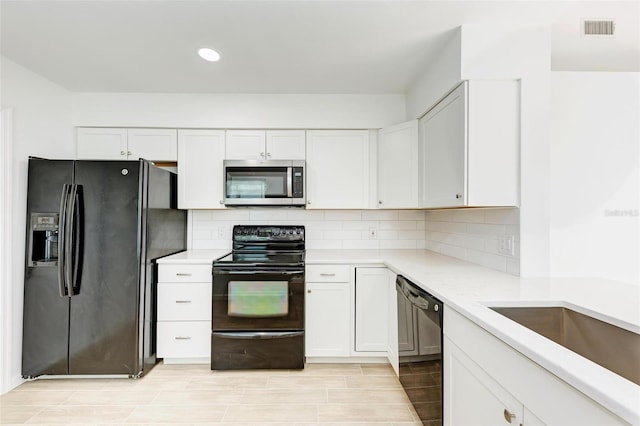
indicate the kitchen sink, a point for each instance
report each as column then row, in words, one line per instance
column 610, row 346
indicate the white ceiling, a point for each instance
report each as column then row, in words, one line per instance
column 282, row 46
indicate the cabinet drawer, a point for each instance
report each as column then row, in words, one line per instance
column 184, row 339
column 184, row 273
column 184, row 301
column 327, row 273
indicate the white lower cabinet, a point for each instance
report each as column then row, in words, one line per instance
column 184, row 313
column 489, row 383
column 371, row 310
column 328, row 311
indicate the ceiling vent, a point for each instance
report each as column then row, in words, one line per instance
column 598, row 27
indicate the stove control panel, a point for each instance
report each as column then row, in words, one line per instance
column 268, row 233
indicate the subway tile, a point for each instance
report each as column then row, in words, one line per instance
column 324, row 245
column 268, row 215
column 489, row 260
column 421, row 244
column 202, row 234
column 486, row 229
column 361, row 244
column 230, row 214
column 343, row 215
column 417, row 215
column 502, row 216
column 211, row 245
column 440, row 215
column 303, row 214
column 359, row 224
column 380, row 214
column 385, row 234
column 397, row 225
column 398, row 244
column 513, row 230
column 454, row 227
column 342, row 235
column 468, row 215
column 453, row 251
column 201, row 215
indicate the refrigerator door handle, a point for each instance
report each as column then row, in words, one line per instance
column 62, row 241
column 77, row 237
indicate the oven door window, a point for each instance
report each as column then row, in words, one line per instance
column 263, row 182
column 258, row 299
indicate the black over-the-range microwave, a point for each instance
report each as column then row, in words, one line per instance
column 264, row 183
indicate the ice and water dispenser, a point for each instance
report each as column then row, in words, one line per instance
column 43, row 239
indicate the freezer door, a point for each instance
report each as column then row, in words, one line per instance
column 46, row 314
column 103, row 327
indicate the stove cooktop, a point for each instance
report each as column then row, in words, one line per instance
column 262, row 259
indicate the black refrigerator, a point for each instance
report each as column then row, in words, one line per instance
column 94, row 231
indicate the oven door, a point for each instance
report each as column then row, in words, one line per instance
column 257, row 300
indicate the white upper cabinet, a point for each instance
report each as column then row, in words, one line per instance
column 265, row 145
column 153, row 144
column 337, row 169
column 96, row 143
column 200, row 180
column 101, row 144
column 470, row 147
column 286, row 145
column 398, row 164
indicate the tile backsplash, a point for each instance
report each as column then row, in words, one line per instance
column 325, row 229
column 473, row 235
column 468, row 234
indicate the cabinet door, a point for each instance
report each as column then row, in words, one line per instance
column 392, row 318
column 200, row 180
column 95, row 143
column 398, row 166
column 286, row 145
column 153, row 144
column 443, row 135
column 473, row 397
column 337, row 169
column 371, row 309
column 245, row 145
column 327, row 322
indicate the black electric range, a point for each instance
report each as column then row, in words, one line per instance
column 257, row 316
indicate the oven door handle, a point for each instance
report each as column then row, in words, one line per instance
column 257, row 272
column 258, row 335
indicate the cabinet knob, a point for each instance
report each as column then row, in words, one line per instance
column 268, row 154
column 128, row 152
column 379, row 201
column 508, row 416
column 262, row 154
column 122, row 153
column 308, row 291
column 458, row 196
column 221, row 202
column 308, row 202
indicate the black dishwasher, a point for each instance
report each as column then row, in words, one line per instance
column 420, row 349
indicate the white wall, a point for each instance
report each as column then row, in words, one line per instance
column 237, row 110
column 41, row 126
column 325, row 229
column 441, row 76
column 595, row 175
column 524, row 54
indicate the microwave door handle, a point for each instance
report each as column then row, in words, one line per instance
column 290, row 182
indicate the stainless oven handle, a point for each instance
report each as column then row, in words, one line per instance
column 258, row 272
column 259, row 335
column 289, row 182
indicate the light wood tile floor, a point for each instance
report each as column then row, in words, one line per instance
column 321, row 394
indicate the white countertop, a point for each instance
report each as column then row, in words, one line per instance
column 469, row 288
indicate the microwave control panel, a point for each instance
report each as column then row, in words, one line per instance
column 298, row 182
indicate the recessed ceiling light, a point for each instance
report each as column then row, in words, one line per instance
column 209, row 54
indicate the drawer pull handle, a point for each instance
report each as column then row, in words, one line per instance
column 182, row 274
column 183, row 337
column 508, row 416
column 324, row 274
column 183, row 301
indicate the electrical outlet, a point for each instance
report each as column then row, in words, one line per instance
column 506, row 244
column 373, row 233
